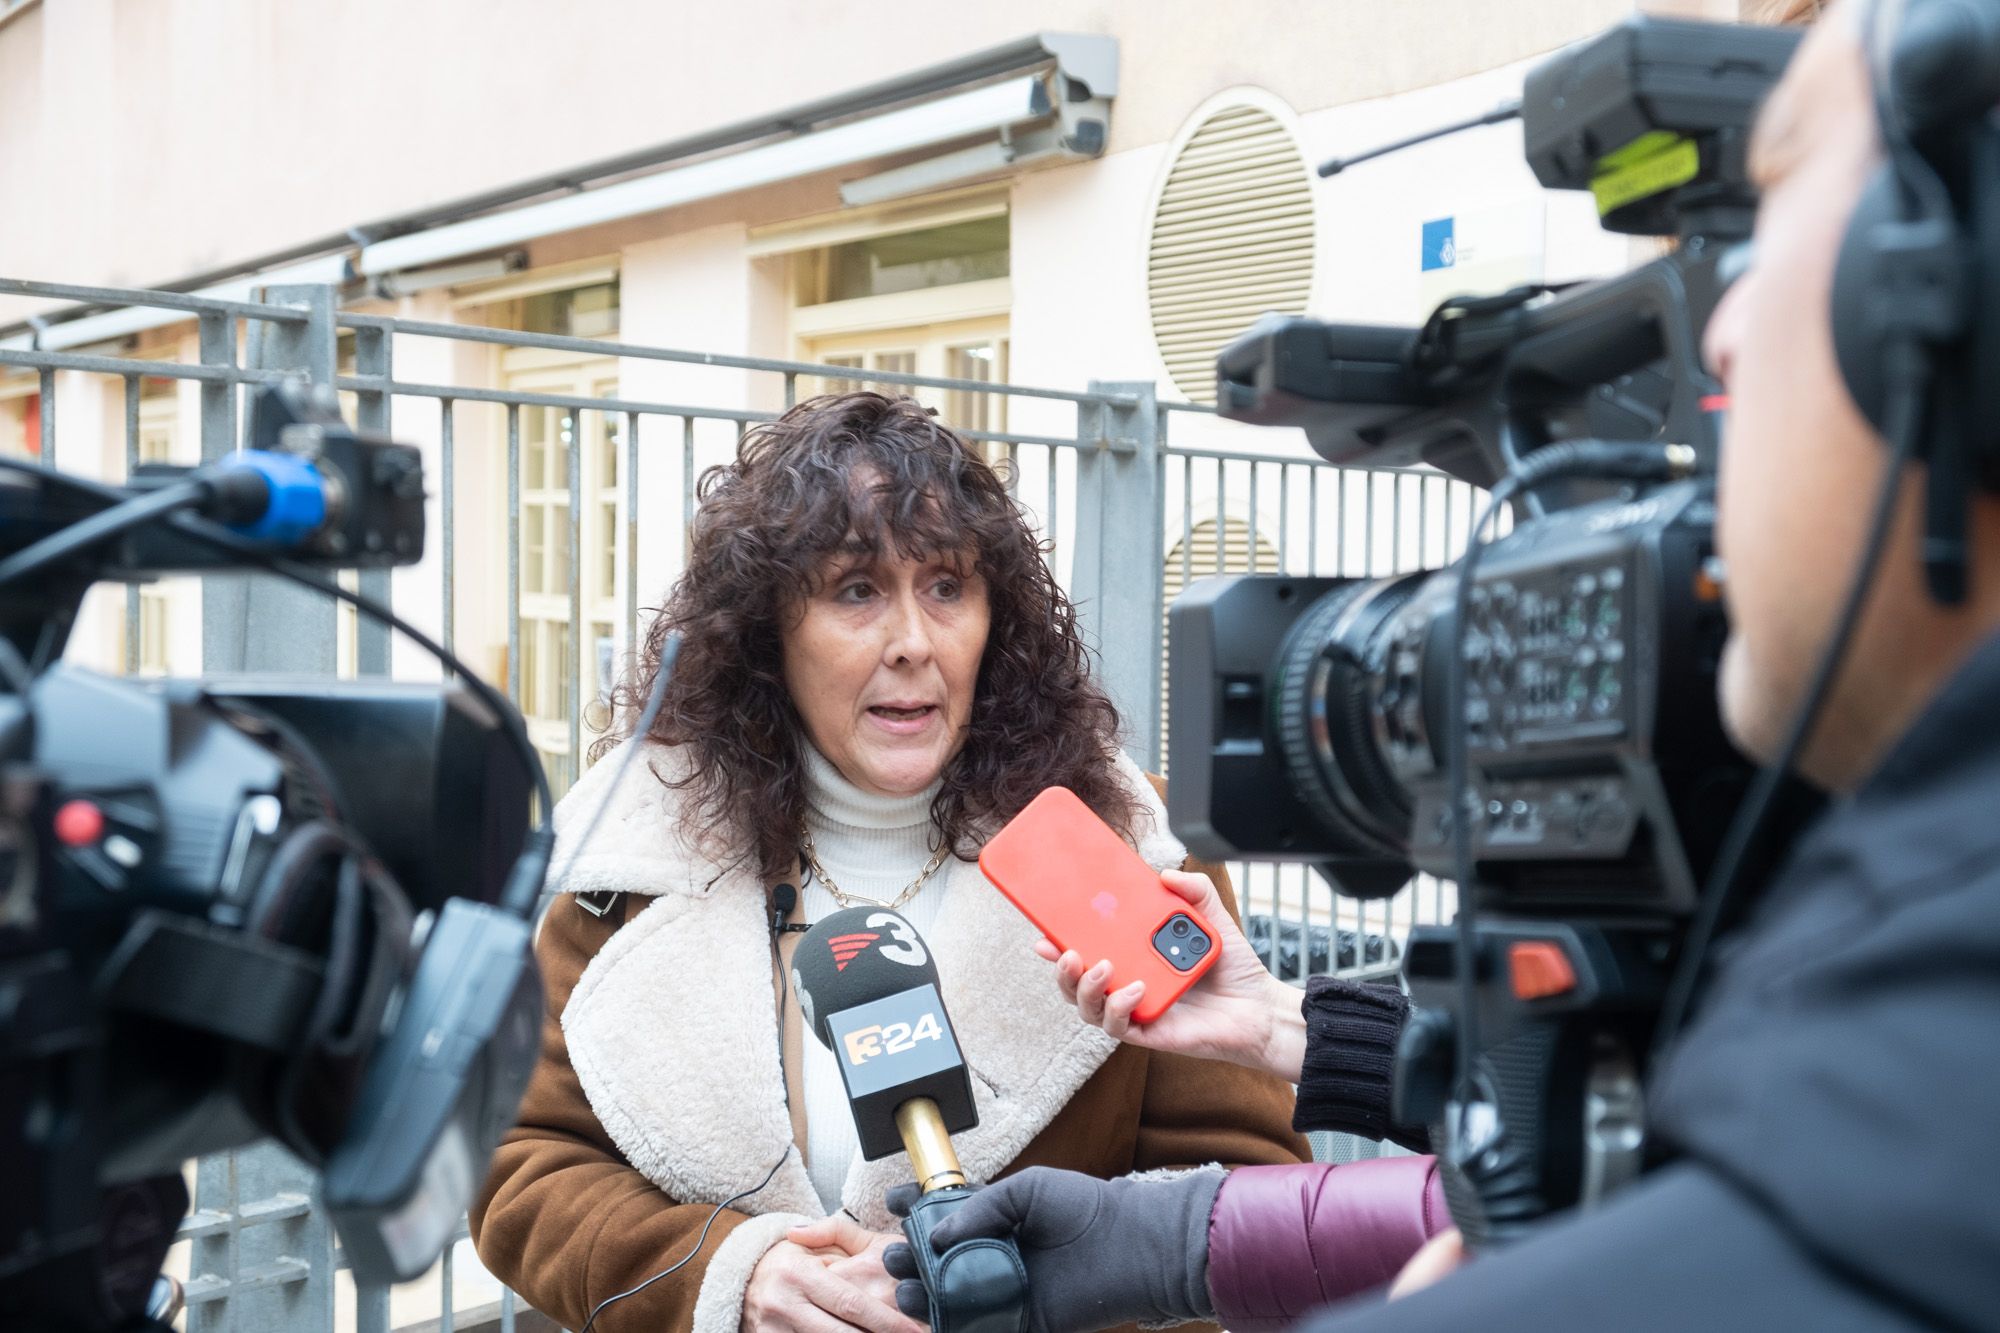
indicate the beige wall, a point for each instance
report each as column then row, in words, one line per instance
column 161, row 138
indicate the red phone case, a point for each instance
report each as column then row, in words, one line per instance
column 1075, row 878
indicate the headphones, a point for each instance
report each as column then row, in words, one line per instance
column 1916, row 288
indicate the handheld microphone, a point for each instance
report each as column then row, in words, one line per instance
column 868, row 989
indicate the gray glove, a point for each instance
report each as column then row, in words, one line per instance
column 1098, row 1252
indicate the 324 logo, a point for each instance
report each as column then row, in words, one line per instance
column 864, row 1044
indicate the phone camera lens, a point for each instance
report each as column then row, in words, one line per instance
column 1181, row 926
column 1199, row 944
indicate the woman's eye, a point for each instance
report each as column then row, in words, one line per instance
column 949, row 588
column 854, row 592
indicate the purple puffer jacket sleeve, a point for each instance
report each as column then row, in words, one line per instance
column 1286, row 1240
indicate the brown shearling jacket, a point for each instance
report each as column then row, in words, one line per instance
column 661, row 1091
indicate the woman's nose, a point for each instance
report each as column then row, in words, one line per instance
column 909, row 632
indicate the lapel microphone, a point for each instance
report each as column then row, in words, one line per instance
column 783, row 899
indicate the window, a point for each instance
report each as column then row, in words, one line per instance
column 578, row 312
column 905, row 261
column 563, row 660
column 917, row 288
column 165, row 603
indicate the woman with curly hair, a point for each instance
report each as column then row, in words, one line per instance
column 876, row 671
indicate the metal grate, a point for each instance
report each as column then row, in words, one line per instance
column 1110, row 488
column 1232, row 238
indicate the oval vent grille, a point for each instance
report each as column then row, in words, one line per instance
column 1232, row 239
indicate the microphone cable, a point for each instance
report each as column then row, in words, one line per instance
column 699, row 1241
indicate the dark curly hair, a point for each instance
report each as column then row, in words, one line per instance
column 840, row 473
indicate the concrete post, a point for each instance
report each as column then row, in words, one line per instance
column 1117, row 574
column 255, row 622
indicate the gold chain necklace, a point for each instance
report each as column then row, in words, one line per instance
column 857, row 900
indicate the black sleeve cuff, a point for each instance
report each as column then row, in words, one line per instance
column 1351, row 1033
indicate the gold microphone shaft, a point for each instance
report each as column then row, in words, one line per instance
column 922, row 1127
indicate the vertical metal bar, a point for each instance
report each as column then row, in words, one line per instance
column 371, row 1307
column 448, row 507
column 1340, row 526
column 1117, row 577
column 1423, row 524
column 217, row 346
column 1221, row 517
column 133, row 628
column 1368, row 530
column 578, row 631
column 373, row 349
column 1049, row 513
column 1250, row 546
column 791, row 389
column 1312, row 519
column 1187, row 522
column 447, row 1297
column 632, row 534
column 514, row 553
column 1284, row 515
column 259, row 624
column 507, row 1301
column 46, row 407
column 687, row 487
column 1013, row 469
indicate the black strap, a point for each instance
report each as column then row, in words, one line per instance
column 200, row 976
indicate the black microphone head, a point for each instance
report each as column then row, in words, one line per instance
column 856, row 955
column 869, row 991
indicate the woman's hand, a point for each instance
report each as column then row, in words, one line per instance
column 819, row 1281
column 1238, row 1012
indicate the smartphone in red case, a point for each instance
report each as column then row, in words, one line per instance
column 1085, row 889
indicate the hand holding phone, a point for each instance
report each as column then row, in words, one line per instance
column 1086, row 890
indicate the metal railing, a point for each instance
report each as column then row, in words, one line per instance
column 1127, row 505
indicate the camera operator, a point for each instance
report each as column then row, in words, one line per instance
column 1828, row 1105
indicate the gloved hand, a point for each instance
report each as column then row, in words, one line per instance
column 1098, row 1252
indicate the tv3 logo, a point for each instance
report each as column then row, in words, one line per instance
column 905, row 947
column 864, row 1044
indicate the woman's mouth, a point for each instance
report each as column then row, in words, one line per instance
column 903, row 719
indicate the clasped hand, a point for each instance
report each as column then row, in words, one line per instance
column 825, row 1277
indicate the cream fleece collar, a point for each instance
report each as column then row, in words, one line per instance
column 673, row 1028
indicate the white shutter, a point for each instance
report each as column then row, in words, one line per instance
column 1232, row 239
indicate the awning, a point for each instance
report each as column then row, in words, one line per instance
column 1042, row 98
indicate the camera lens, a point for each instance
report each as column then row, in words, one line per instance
column 1199, row 944
column 1181, row 926
column 1333, row 665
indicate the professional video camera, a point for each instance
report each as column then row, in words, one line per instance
column 1539, row 723
column 232, row 909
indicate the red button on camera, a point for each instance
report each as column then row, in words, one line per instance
column 79, row 824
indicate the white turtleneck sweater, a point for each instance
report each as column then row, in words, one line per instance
column 872, row 847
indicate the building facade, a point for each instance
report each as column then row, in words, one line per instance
column 1049, row 194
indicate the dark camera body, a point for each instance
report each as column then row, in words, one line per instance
column 238, row 909
column 1312, row 715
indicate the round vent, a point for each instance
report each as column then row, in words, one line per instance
column 1232, row 239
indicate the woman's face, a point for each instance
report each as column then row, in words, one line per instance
column 881, row 662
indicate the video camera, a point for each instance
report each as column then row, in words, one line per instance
column 1575, row 657
column 232, row 909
